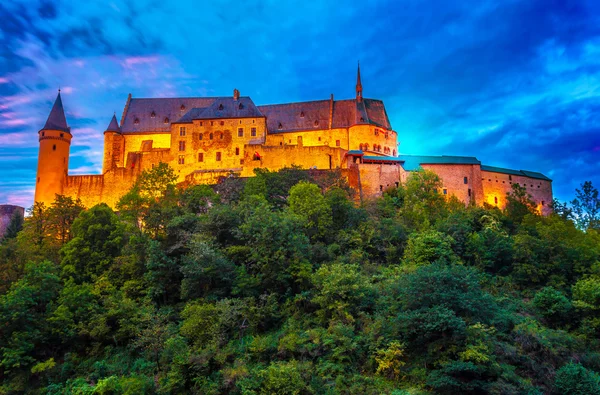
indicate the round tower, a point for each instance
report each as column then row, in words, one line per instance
column 53, row 158
column 113, row 146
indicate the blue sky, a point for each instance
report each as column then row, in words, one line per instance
column 514, row 83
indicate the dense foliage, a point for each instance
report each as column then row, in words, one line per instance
column 282, row 284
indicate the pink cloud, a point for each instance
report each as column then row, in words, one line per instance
column 15, row 122
column 16, row 138
column 132, row 61
column 4, row 80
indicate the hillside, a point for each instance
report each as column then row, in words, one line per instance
column 282, row 284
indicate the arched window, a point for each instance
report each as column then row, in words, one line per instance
column 394, row 153
column 360, row 147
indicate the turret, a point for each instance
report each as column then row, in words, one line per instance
column 358, row 86
column 53, row 158
column 113, row 146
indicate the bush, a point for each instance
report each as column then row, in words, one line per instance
column 574, row 379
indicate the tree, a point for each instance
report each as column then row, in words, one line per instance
column 519, row 203
column 98, row 237
column 23, row 311
column 308, row 203
column 422, row 202
column 14, row 226
column 574, row 379
column 429, row 247
column 152, row 200
column 586, row 207
column 61, row 215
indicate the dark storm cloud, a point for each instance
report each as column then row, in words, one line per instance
column 515, row 83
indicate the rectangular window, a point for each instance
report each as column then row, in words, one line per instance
column 466, row 180
column 182, row 146
column 200, row 136
column 510, row 177
column 200, row 157
column 182, row 131
column 337, row 143
column 222, row 123
column 200, row 123
column 445, row 191
column 240, row 132
column 253, row 132
column 212, row 123
column 181, row 160
column 469, row 192
column 237, row 151
column 218, row 156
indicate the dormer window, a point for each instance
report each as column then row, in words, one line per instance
column 241, row 106
column 220, row 107
column 136, row 121
column 316, row 123
column 182, row 107
column 362, row 119
column 302, row 114
column 280, row 126
column 166, row 120
column 152, row 114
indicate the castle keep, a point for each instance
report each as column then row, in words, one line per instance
column 207, row 138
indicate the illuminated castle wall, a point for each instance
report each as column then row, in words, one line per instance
column 207, row 138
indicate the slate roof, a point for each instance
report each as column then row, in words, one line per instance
column 146, row 115
column 413, row 162
column 523, row 173
column 169, row 109
column 345, row 114
column 113, row 126
column 56, row 120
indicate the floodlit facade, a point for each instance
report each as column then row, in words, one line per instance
column 206, row 139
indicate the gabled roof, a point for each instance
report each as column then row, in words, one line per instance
column 57, row 120
column 157, row 115
column 149, row 115
column 413, row 162
column 314, row 115
column 522, row 173
column 113, row 126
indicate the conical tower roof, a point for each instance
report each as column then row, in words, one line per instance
column 56, row 119
column 113, row 126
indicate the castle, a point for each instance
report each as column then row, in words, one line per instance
column 207, row 138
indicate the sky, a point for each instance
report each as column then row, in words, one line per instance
column 514, row 83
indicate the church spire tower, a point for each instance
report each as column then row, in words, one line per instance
column 53, row 158
column 359, row 94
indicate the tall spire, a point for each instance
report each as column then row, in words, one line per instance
column 56, row 119
column 113, row 126
column 358, row 85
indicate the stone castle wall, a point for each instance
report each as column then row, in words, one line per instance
column 497, row 185
column 454, row 182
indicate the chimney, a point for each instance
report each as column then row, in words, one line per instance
column 236, row 94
